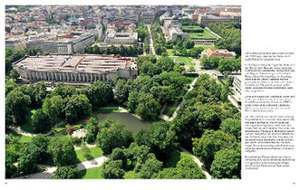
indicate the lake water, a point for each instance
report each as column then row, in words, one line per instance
column 131, row 123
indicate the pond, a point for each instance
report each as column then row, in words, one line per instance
column 131, row 123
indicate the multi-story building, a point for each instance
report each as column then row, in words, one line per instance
column 123, row 38
column 224, row 53
column 205, row 20
column 172, row 29
column 75, row 69
column 237, row 89
column 148, row 16
column 66, row 45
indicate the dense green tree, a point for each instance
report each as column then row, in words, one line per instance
column 188, row 44
column 231, row 36
column 112, row 137
column 132, row 101
column 100, row 93
column 10, row 169
column 37, row 93
column 149, row 68
column 54, row 107
column 12, row 55
column 121, row 91
column 211, row 142
column 17, row 105
column 13, row 74
column 27, row 162
column 150, row 167
column 112, row 169
column 227, row 163
column 66, row 172
column 232, row 126
column 142, row 138
column 40, row 121
column 163, row 139
column 208, row 116
column 64, row 91
column 187, row 126
column 166, row 63
column 119, row 154
column 188, row 169
column 41, row 144
column 62, row 151
column 10, row 84
column 142, row 32
column 148, row 108
column 77, row 107
column 136, row 156
column 185, row 168
column 92, row 130
column 210, row 63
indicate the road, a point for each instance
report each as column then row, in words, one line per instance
column 152, row 50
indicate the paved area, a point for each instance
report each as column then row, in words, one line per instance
column 152, row 50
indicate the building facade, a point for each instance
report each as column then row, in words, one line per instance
column 66, row 46
column 75, row 69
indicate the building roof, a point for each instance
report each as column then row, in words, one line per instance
column 81, row 63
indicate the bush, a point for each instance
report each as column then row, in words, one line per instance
column 66, row 172
column 76, row 141
column 62, row 151
column 113, row 137
column 112, row 169
column 227, row 163
column 210, row 143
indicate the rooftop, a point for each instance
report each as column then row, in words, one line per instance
column 81, row 63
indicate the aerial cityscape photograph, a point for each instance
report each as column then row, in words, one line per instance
column 123, row 92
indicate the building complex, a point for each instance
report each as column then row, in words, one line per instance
column 76, row 69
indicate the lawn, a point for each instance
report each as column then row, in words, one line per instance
column 188, row 62
column 25, row 139
column 206, row 46
column 170, row 52
column 21, row 138
column 206, row 34
column 86, row 153
column 185, row 60
column 191, row 28
column 93, row 173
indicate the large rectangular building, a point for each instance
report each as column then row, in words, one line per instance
column 71, row 44
column 76, row 69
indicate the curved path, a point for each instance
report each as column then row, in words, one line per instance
column 49, row 172
column 198, row 162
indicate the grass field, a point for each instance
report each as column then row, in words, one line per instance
column 93, row 173
column 84, row 154
column 185, row 60
column 170, row 52
column 25, row 139
column 191, row 28
column 202, row 35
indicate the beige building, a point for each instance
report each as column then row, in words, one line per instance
column 76, row 69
